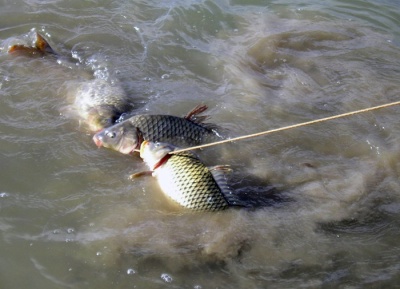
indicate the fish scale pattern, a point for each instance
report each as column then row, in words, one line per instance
column 192, row 184
column 172, row 129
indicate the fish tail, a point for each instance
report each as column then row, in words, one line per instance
column 22, row 49
column 41, row 48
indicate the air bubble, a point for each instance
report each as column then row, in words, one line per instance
column 165, row 76
column 130, row 271
column 98, row 254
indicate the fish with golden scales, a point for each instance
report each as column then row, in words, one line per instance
column 184, row 178
column 96, row 102
column 127, row 135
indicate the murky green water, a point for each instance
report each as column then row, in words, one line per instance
column 69, row 216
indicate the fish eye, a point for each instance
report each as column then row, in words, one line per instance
column 106, row 121
column 110, row 134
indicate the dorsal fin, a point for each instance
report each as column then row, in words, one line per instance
column 194, row 116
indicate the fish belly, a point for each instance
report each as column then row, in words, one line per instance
column 196, row 194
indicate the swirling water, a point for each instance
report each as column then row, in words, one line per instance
column 69, row 216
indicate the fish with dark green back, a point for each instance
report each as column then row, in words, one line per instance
column 184, row 178
column 127, row 136
column 96, row 102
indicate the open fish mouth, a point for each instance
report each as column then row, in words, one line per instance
column 142, row 146
column 97, row 141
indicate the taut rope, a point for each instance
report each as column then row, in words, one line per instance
column 288, row 127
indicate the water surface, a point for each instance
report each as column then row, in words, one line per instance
column 327, row 196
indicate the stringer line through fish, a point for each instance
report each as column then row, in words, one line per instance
column 351, row 113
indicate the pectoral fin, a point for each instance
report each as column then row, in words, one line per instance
column 220, row 168
column 140, row 174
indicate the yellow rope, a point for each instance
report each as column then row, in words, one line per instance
column 288, row 127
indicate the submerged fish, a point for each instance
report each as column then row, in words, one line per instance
column 96, row 102
column 184, row 178
column 126, row 136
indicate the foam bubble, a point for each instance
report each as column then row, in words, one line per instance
column 166, row 277
column 130, row 271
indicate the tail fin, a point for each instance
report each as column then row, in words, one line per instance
column 42, row 48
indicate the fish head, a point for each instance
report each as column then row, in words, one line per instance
column 153, row 152
column 122, row 137
column 101, row 116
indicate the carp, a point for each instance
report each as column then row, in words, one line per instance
column 127, row 135
column 184, row 178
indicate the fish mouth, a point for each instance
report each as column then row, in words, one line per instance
column 97, row 141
